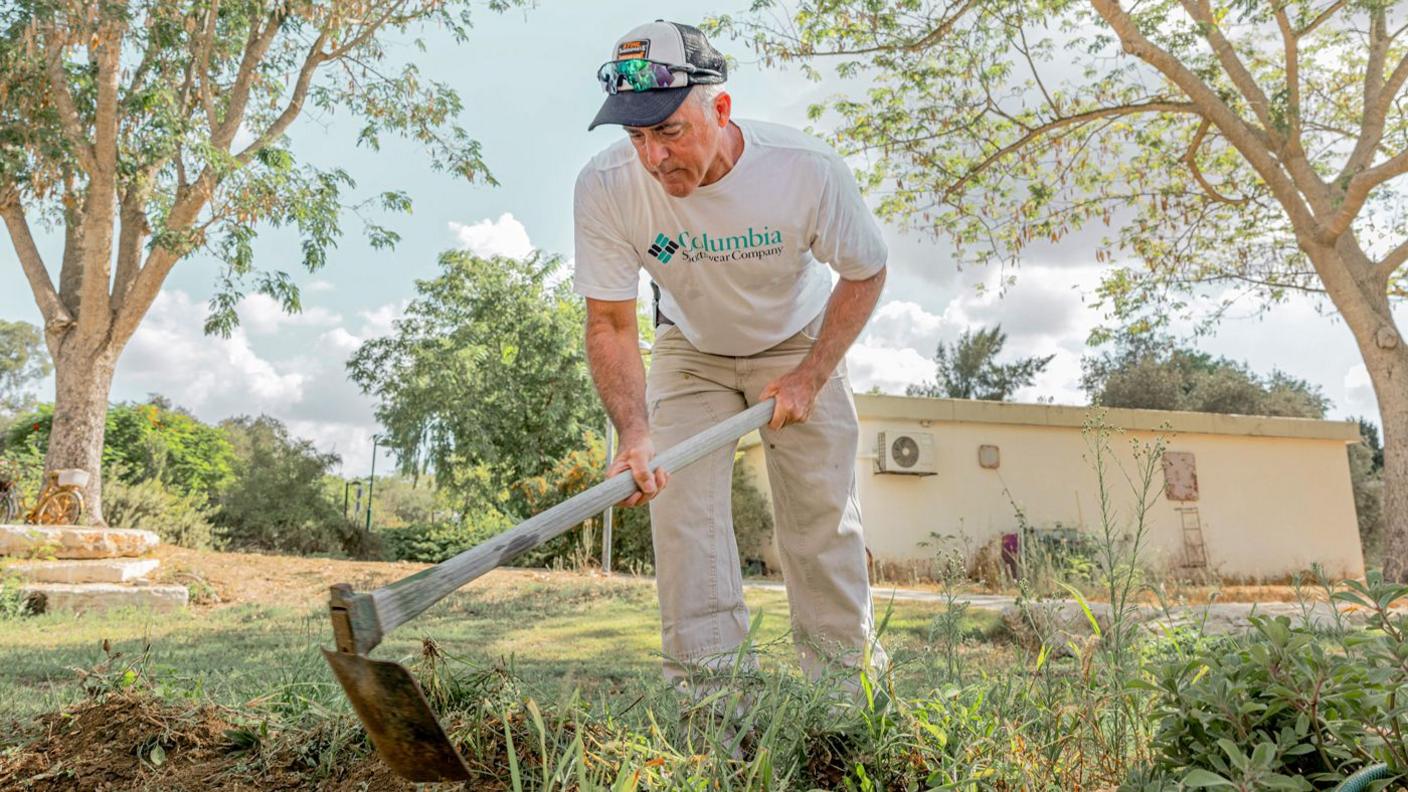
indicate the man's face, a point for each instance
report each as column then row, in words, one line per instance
column 679, row 151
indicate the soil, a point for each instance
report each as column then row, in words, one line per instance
column 296, row 581
column 132, row 742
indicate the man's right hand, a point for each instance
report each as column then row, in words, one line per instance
column 635, row 456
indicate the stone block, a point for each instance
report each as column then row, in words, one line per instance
column 97, row 597
column 71, row 541
column 98, row 570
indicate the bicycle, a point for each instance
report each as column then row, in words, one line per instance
column 60, row 502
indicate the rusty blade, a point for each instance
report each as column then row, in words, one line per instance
column 390, row 704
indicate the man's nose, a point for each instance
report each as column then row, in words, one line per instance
column 655, row 153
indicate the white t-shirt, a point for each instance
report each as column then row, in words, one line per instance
column 739, row 262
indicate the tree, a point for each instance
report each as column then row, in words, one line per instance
column 155, row 441
column 22, row 362
column 1258, row 147
column 484, row 381
column 277, row 500
column 1154, row 373
column 152, row 130
column 969, row 369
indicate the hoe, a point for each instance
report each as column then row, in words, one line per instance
column 387, row 699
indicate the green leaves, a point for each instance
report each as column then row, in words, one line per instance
column 485, row 372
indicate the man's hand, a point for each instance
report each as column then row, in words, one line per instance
column 635, row 456
column 796, row 393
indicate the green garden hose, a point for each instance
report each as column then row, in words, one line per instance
column 1360, row 780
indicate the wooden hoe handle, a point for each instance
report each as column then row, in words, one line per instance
column 361, row 620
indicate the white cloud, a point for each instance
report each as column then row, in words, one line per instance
column 319, row 285
column 887, row 368
column 215, row 377
column 381, row 320
column 1359, row 397
column 503, row 237
column 261, row 314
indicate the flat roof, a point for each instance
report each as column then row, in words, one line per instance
column 874, row 407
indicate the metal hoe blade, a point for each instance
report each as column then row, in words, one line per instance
column 386, row 697
column 391, row 705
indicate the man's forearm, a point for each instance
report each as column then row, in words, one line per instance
column 847, row 311
column 614, row 357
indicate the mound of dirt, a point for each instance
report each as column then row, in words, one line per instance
column 133, row 742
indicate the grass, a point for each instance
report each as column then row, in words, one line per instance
column 597, row 635
column 550, row 682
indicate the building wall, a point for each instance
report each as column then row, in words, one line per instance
column 1269, row 505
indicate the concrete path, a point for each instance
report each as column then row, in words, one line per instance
column 1215, row 618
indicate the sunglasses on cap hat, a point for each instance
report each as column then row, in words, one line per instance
column 639, row 74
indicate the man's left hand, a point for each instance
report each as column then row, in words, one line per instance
column 796, row 393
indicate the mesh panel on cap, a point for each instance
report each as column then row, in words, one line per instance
column 699, row 52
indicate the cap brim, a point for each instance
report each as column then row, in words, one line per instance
column 640, row 108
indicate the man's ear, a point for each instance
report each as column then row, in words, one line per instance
column 723, row 107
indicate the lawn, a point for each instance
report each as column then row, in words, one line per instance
column 550, row 681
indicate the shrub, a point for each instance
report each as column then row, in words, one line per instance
column 277, row 500
column 179, row 519
column 1287, row 705
column 435, row 542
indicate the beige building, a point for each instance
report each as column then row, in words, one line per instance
column 1243, row 497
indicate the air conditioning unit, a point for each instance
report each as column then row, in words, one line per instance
column 905, row 453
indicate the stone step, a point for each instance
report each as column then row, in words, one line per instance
column 71, row 541
column 99, row 570
column 97, row 597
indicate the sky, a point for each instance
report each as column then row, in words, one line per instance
column 527, row 82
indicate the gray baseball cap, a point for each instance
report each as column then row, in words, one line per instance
column 674, row 57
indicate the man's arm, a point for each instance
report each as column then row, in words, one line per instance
column 849, row 308
column 613, row 352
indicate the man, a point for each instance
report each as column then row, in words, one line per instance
column 736, row 222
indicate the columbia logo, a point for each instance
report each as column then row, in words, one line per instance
column 663, row 248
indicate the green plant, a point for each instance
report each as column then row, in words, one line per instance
column 179, row 519
column 14, row 602
column 1287, row 706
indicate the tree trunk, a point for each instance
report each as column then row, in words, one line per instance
column 83, row 380
column 1389, row 373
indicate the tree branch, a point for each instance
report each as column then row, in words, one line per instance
column 1321, row 18
column 45, row 296
column 1371, row 127
column 1391, row 262
column 1059, row 123
column 1227, row 56
column 255, row 49
column 1210, row 106
column 131, row 236
column 146, row 283
column 917, row 45
column 202, row 57
column 1357, row 192
column 315, row 57
column 63, row 99
column 1191, row 159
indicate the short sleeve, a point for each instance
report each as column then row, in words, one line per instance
column 607, row 267
column 846, row 235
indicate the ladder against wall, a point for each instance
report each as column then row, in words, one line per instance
column 1195, row 554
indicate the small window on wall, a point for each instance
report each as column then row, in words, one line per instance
column 1180, row 476
column 988, row 457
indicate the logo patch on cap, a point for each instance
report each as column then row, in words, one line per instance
column 630, row 50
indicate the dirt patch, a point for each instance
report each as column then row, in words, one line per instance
column 219, row 579
column 133, row 742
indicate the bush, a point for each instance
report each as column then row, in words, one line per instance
column 631, row 545
column 435, row 542
column 277, row 500
column 1286, row 705
column 179, row 519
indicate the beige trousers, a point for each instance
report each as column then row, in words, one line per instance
column 811, row 468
